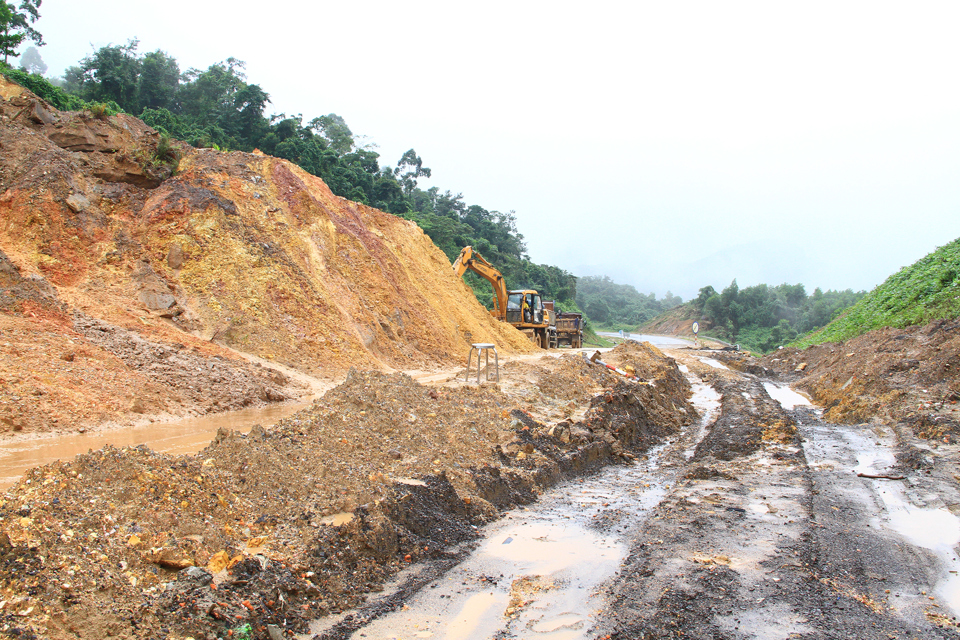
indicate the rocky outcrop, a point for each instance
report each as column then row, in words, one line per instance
column 118, row 148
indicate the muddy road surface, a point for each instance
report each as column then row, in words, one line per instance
column 565, row 502
column 759, row 521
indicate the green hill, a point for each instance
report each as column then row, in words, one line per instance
column 927, row 290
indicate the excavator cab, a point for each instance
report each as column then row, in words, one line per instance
column 524, row 308
column 535, row 307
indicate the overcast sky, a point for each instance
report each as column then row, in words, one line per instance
column 669, row 145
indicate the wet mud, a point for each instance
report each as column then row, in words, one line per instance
column 761, row 521
column 702, row 502
column 180, row 436
column 773, row 534
column 264, row 532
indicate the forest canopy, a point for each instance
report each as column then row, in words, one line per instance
column 218, row 107
column 762, row 317
column 620, row 305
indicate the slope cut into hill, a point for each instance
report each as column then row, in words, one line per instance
column 104, row 248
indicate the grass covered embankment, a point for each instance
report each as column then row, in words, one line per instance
column 927, row 290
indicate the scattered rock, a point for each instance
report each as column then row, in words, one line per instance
column 78, row 202
column 175, row 256
column 169, row 558
column 196, row 575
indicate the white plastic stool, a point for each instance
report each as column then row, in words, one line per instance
column 480, row 347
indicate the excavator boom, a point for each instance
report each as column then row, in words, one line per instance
column 470, row 259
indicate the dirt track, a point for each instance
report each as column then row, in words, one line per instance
column 764, row 530
column 785, row 540
column 761, row 527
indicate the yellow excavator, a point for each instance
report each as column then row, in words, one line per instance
column 522, row 308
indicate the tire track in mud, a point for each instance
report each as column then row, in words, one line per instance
column 757, row 542
column 536, row 571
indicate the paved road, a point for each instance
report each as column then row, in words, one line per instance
column 659, row 341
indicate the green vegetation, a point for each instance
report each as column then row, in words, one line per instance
column 761, row 318
column 927, row 290
column 45, row 89
column 242, row 632
column 616, row 306
column 15, row 26
column 591, row 339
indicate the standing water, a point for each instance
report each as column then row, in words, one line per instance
column 188, row 435
column 538, row 569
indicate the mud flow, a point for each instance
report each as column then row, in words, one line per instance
column 537, row 570
column 860, row 467
column 782, row 525
column 188, row 435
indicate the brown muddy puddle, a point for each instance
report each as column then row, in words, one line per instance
column 188, row 435
column 538, row 572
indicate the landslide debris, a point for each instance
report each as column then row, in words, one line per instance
column 277, row 527
column 104, row 245
column 909, row 375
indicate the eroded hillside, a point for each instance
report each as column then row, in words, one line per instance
column 235, row 252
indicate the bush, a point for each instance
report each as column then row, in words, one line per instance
column 54, row 95
column 927, row 290
column 166, row 153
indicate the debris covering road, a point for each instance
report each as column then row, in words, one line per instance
column 278, row 527
column 767, row 523
column 734, row 519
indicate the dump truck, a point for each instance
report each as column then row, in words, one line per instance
column 522, row 308
column 565, row 328
column 569, row 329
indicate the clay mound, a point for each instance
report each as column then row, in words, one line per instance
column 236, row 252
column 271, row 262
column 350, row 446
column 405, row 469
column 649, row 362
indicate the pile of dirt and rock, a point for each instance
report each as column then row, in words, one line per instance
column 104, row 244
column 909, row 375
column 277, row 527
column 63, row 370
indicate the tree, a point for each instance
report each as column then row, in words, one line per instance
column 209, row 92
column 782, row 333
column 31, row 62
column 9, row 38
column 670, row 301
column 249, row 102
column 706, row 293
column 409, row 168
column 335, row 131
column 15, row 26
column 159, row 80
column 111, row 73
